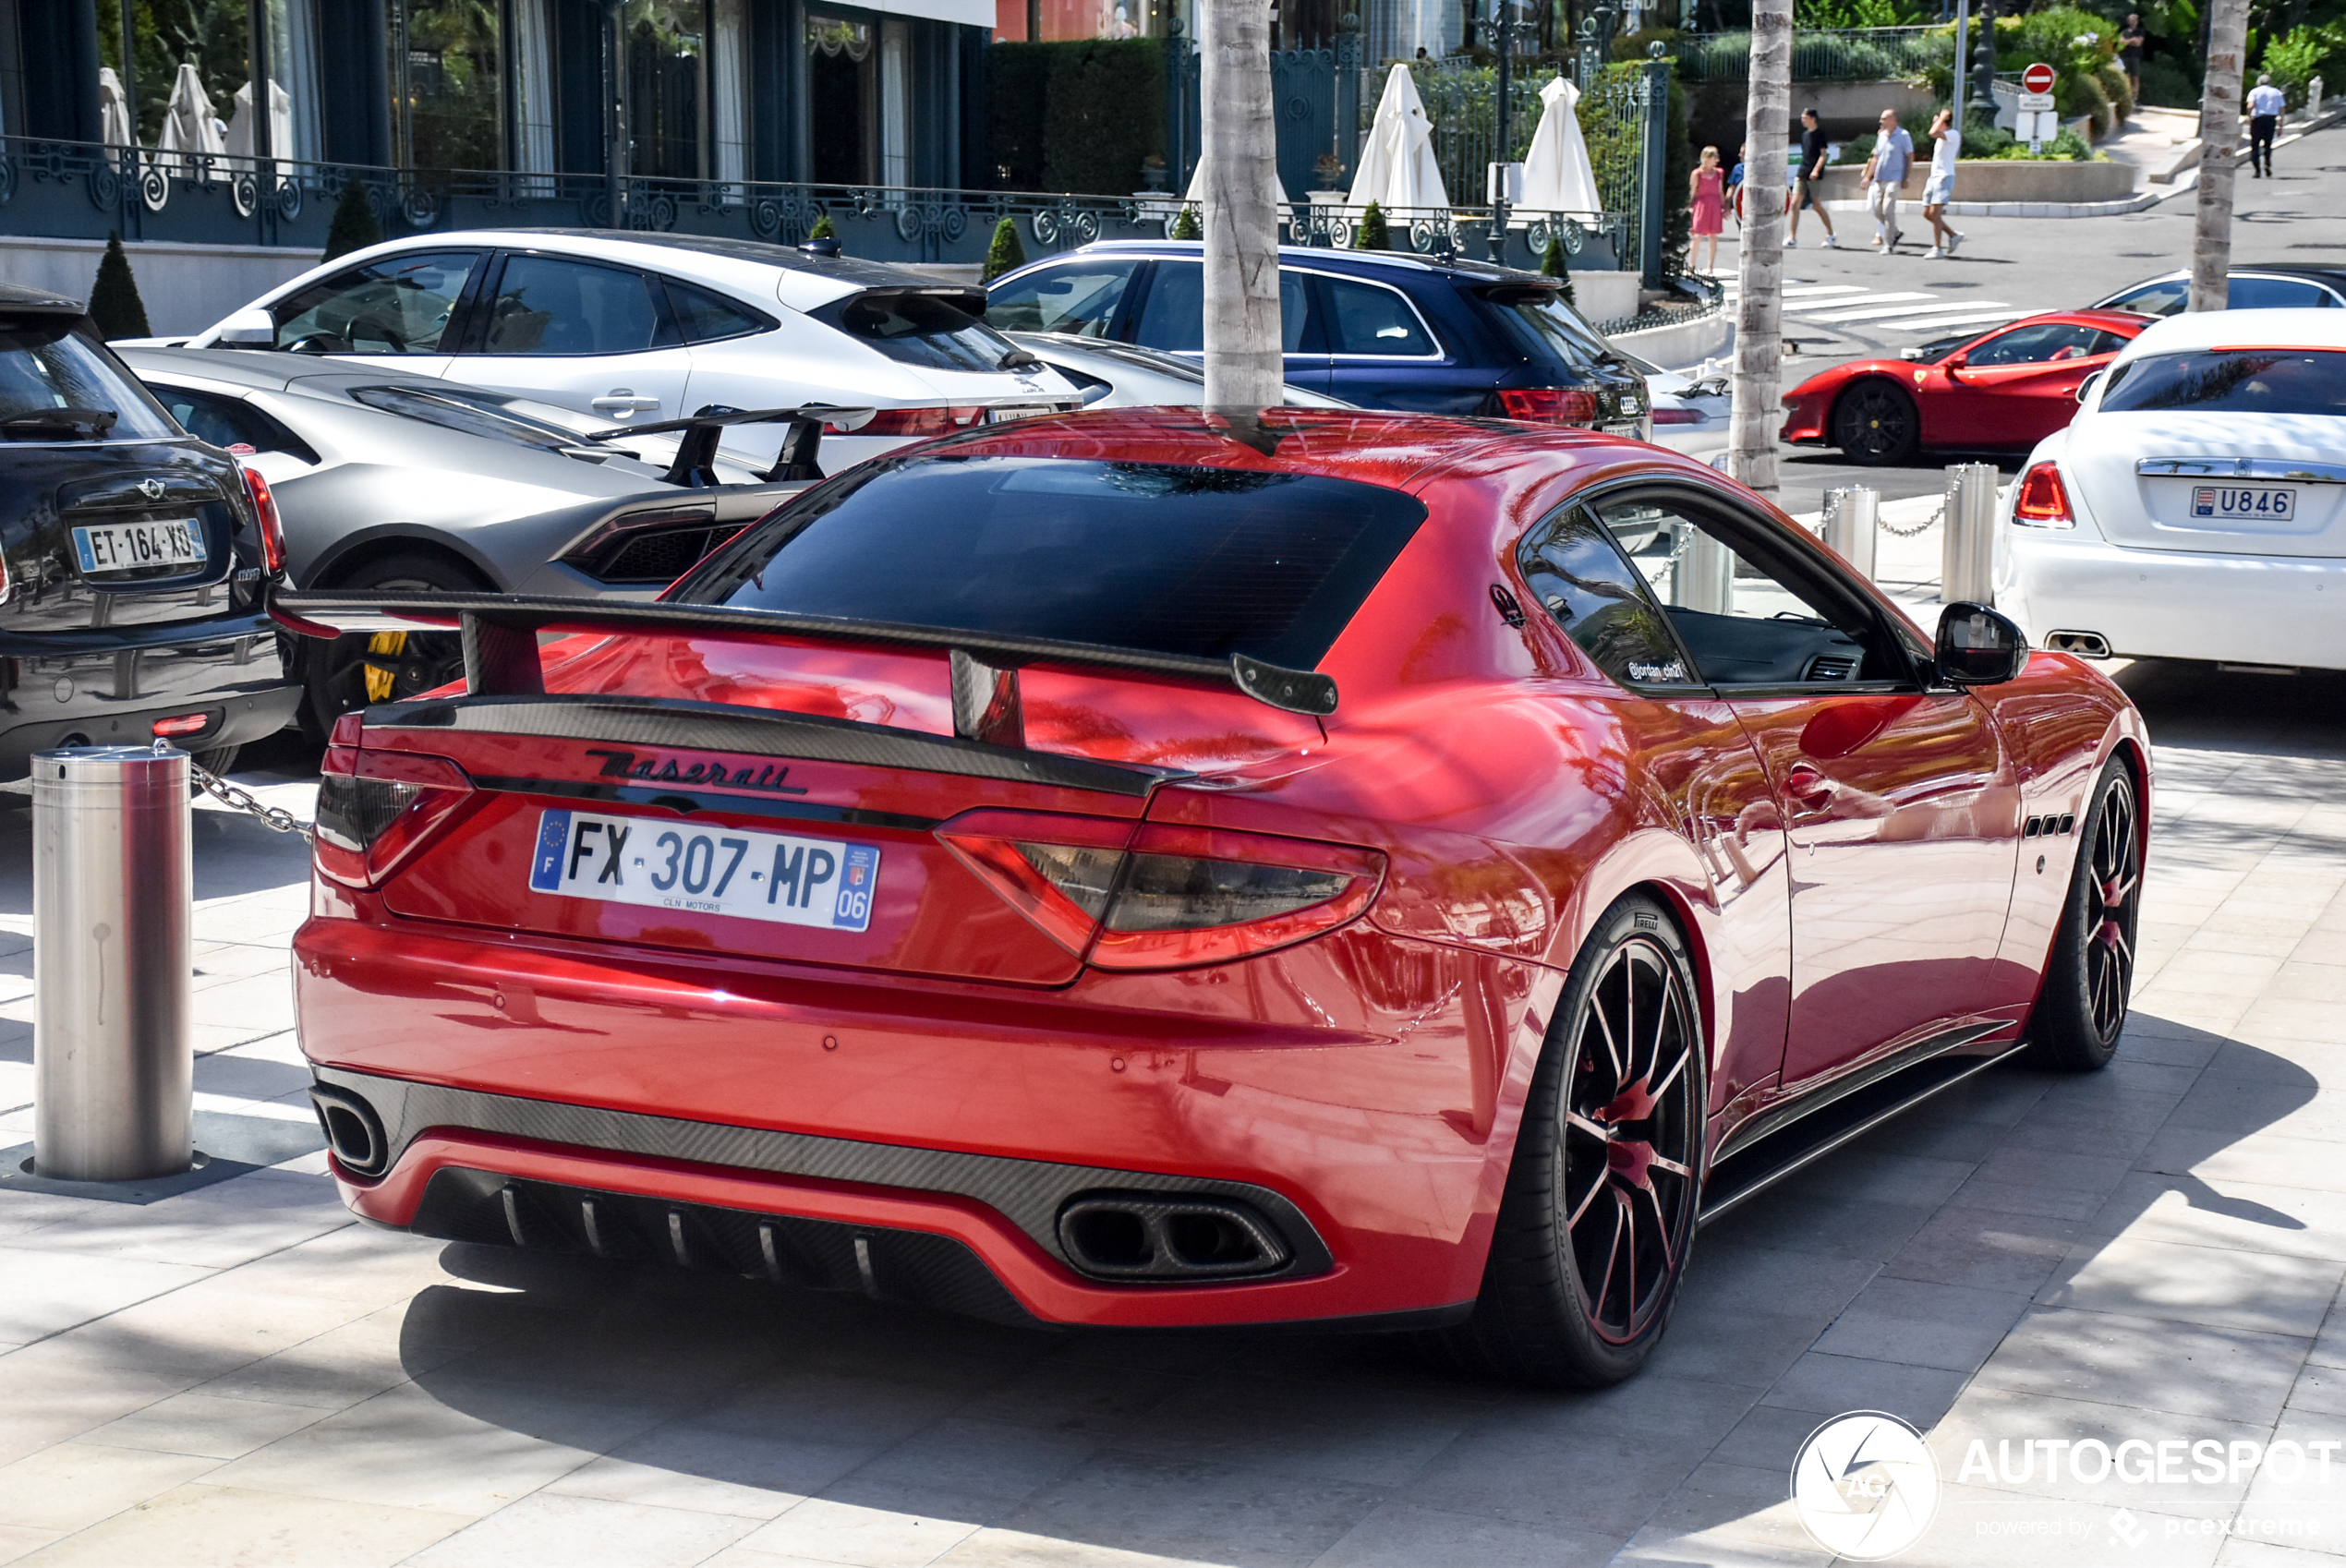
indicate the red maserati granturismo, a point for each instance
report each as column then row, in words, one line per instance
column 2002, row 390
column 1137, row 868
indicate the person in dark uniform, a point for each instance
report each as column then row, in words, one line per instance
column 2130, row 53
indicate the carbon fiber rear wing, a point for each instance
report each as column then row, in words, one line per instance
column 500, row 633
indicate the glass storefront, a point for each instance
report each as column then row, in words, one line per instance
column 448, row 84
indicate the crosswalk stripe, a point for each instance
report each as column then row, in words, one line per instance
column 1873, row 305
column 1978, row 318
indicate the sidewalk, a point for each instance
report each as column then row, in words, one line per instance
column 240, row 1375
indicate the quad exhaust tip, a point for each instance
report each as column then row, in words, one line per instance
column 353, row 1131
column 1150, row 1236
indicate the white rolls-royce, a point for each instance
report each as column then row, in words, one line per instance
column 2195, row 508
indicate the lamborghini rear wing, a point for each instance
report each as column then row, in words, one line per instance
column 500, row 633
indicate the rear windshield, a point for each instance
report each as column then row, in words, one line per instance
column 1174, row 559
column 52, row 378
column 928, row 330
column 1545, row 329
column 2230, row 380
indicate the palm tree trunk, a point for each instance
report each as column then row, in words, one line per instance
column 1244, row 368
column 2211, row 239
column 1751, row 442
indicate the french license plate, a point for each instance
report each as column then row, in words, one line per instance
column 127, row 547
column 775, row 876
column 1024, row 411
column 2268, row 504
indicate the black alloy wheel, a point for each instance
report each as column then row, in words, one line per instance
column 1599, row 1213
column 1874, row 423
column 351, row 672
column 2081, row 1011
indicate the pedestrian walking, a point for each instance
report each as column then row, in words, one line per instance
column 2265, row 105
column 1735, row 190
column 1886, row 174
column 1707, row 196
column 2130, row 54
column 1940, row 186
column 1814, row 151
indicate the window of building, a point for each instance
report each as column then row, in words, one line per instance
column 842, row 99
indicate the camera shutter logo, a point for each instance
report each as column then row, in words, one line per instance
column 1866, row 1485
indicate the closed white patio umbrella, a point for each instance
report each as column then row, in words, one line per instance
column 189, row 123
column 281, row 123
column 1397, row 169
column 1557, row 176
column 1195, row 195
column 114, row 112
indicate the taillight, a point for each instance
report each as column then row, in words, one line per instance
column 1163, row 896
column 2043, row 501
column 1677, row 415
column 272, row 527
column 374, row 808
column 914, row 422
column 1549, row 405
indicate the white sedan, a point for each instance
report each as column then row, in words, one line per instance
column 652, row 327
column 2195, row 508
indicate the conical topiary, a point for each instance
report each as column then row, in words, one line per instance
column 1552, row 258
column 1372, row 234
column 1005, row 255
column 115, row 304
column 354, row 227
column 1185, row 225
column 824, row 228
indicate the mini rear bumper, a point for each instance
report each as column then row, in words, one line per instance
column 230, row 673
column 2174, row 604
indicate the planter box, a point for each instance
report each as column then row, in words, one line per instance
column 1999, row 180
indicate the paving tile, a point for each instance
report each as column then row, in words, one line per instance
column 201, row 1425
column 1997, row 1440
column 211, row 1526
column 1975, row 1526
column 2244, row 1217
column 1538, row 1467
column 1728, row 1515
column 678, row 1465
column 586, row 1532
column 2224, row 1287
column 2186, row 1369
column 1183, row 1508
column 1818, row 1382
column 1924, row 1324
column 42, row 1293
column 1318, row 1432
column 19, row 1540
column 358, row 1361
column 71, row 1486
column 823, row 1531
column 1401, row 1535
column 1985, row 1249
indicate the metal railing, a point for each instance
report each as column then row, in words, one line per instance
column 1867, row 53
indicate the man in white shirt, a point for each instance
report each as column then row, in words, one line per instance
column 1947, row 146
column 2265, row 105
column 1886, row 174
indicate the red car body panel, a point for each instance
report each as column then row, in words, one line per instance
column 1372, row 1076
column 1992, row 407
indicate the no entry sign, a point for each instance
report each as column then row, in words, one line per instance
column 2037, row 78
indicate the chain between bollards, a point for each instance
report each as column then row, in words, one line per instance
column 277, row 819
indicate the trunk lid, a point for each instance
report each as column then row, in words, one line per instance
column 2214, row 482
column 100, row 535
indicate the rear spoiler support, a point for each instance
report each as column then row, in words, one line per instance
column 501, row 655
column 695, row 462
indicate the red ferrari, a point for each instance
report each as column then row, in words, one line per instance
column 1386, row 871
column 2005, row 390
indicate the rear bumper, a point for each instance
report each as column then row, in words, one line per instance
column 592, row 1078
column 231, row 675
column 2173, row 604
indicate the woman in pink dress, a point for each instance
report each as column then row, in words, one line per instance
column 1706, row 194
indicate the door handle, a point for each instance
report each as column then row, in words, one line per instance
column 1807, row 786
column 620, row 400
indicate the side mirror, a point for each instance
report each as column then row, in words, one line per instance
column 1954, row 362
column 1980, row 648
column 2086, row 388
column 251, row 328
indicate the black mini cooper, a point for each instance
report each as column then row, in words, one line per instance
column 133, row 559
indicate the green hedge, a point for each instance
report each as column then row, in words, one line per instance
column 1076, row 116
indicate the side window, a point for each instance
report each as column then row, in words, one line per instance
column 2041, row 343
column 1578, row 574
column 1372, row 318
column 547, row 304
column 2109, row 342
column 1173, row 316
column 2161, row 298
column 1745, row 621
column 229, row 422
column 2274, row 293
column 1079, row 299
column 399, row 304
column 702, row 317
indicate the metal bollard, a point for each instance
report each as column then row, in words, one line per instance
column 113, row 888
column 1967, row 558
column 1851, row 524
